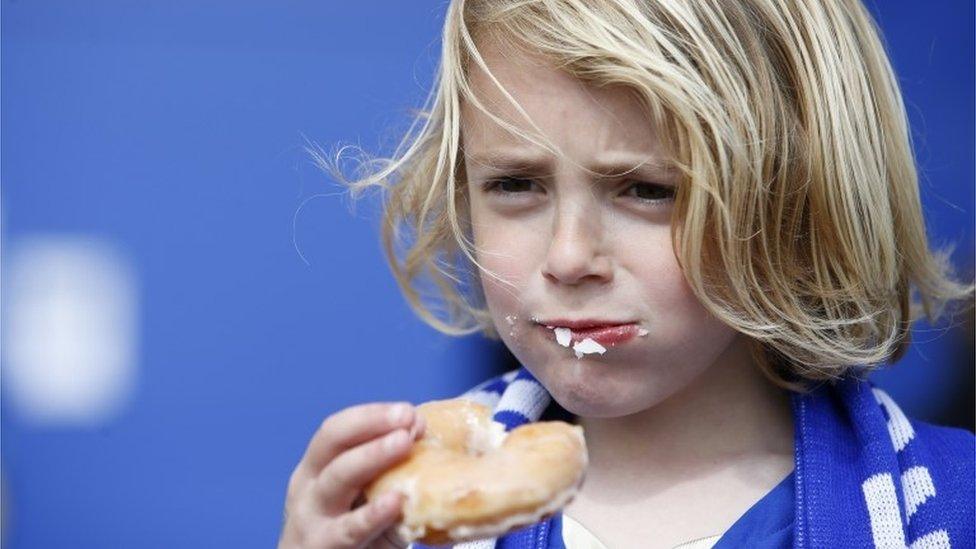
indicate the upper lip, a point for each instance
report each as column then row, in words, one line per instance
column 583, row 323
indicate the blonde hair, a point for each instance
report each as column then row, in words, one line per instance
column 797, row 221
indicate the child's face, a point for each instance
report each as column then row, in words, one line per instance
column 575, row 247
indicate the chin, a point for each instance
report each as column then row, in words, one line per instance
column 586, row 395
column 584, row 405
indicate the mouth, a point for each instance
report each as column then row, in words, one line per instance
column 606, row 333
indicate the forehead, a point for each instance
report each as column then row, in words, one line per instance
column 581, row 119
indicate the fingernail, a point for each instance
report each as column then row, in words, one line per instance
column 395, row 440
column 418, row 426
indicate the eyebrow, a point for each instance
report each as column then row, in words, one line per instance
column 614, row 164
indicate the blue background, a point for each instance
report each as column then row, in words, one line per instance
column 175, row 130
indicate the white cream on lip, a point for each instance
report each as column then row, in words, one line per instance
column 587, row 346
column 564, row 336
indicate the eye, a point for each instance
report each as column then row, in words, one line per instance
column 652, row 193
column 508, row 185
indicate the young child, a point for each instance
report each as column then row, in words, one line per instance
column 697, row 227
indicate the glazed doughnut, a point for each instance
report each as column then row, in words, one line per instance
column 468, row 479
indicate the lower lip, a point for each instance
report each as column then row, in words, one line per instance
column 608, row 336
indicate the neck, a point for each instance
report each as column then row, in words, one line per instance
column 730, row 418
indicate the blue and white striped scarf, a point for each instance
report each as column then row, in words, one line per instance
column 865, row 474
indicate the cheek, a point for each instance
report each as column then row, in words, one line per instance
column 503, row 278
column 656, row 270
column 507, row 254
column 665, row 284
column 676, row 313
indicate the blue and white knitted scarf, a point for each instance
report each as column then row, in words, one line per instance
column 865, row 474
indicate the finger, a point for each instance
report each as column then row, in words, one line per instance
column 348, row 474
column 350, row 427
column 361, row 526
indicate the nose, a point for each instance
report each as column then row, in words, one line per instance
column 576, row 251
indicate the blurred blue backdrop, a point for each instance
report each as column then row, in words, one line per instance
column 187, row 296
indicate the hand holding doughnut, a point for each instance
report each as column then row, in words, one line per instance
column 349, row 449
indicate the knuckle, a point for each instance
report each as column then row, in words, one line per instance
column 348, row 532
column 326, row 425
column 325, row 538
column 354, row 466
column 291, row 502
column 382, row 412
column 370, row 460
column 365, row 520
column 295, row 531
column 376, row 450
column 333, row 478
column 295, row 481
column 329, row 423
column 392, row 446
column 340, row 416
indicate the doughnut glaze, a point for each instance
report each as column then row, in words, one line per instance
column 467, row 479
